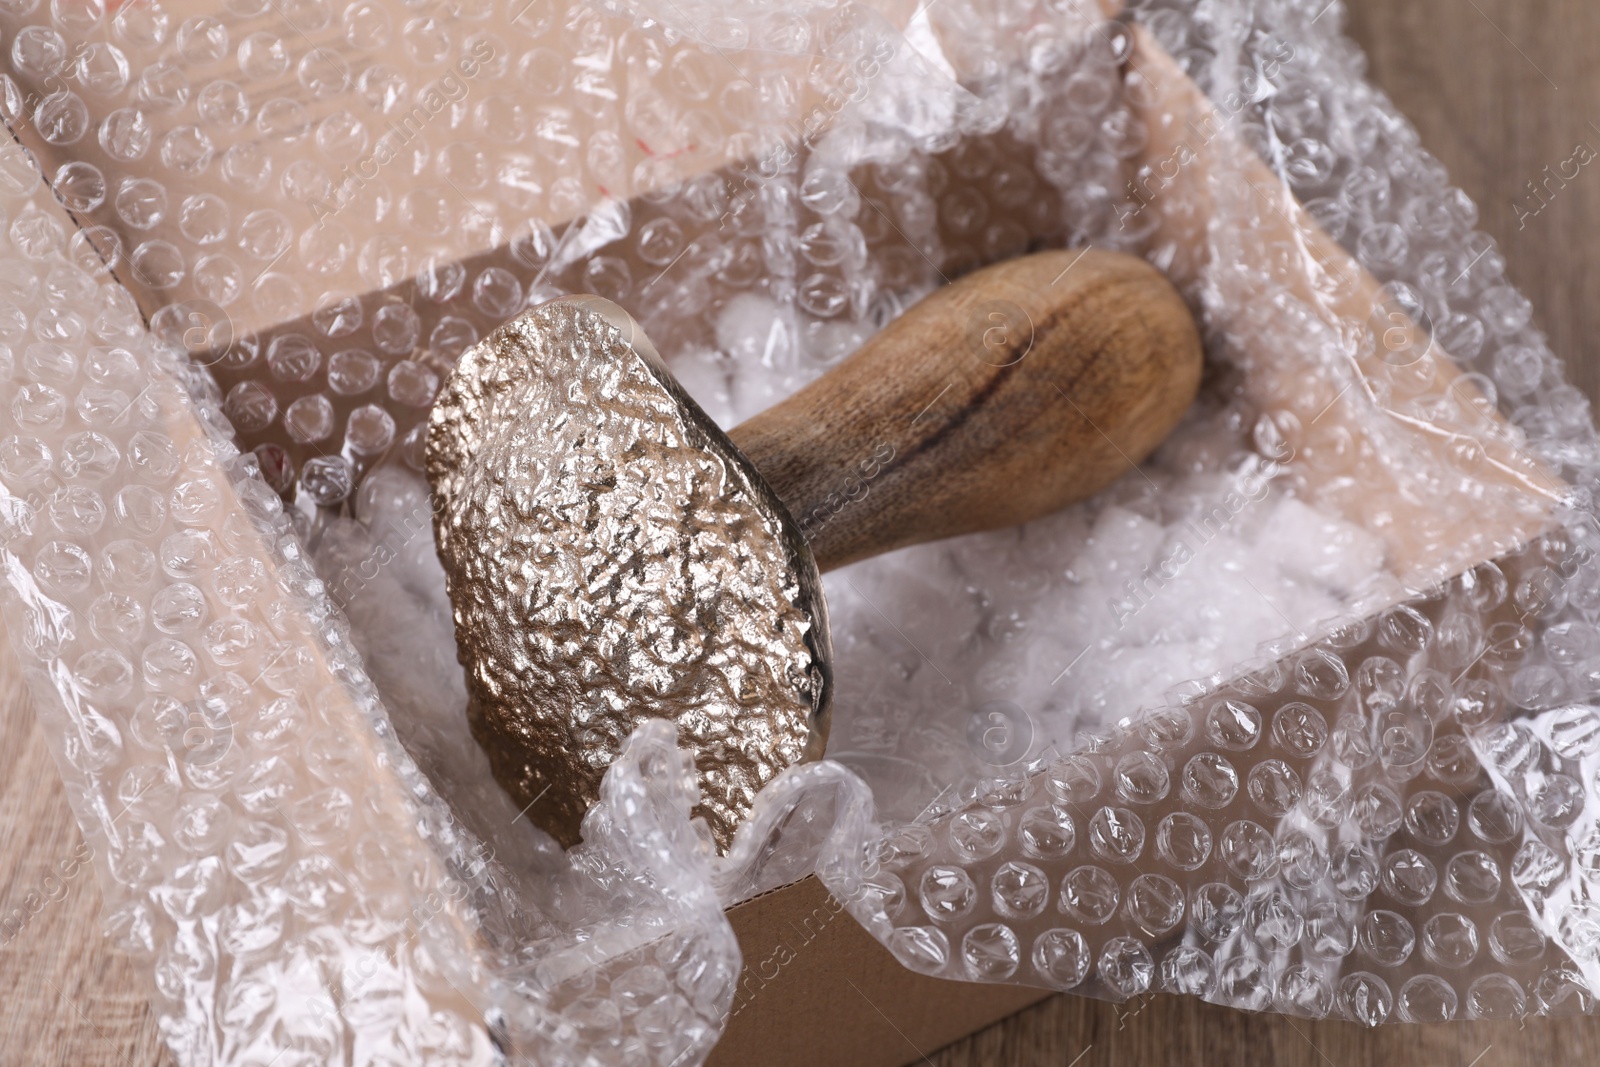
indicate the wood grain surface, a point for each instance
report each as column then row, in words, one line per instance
column 1500, row 89
column 991, row 449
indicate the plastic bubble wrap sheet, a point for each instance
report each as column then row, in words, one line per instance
column 1300, row 715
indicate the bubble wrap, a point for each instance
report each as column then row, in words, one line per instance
column 1300, row 715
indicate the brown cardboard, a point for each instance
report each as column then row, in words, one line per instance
column 363, row 192
column 1191, row 138
column 817, row 989
column 837, row 996
column 1189, row 134
column 234, row 337
column 796, row 1002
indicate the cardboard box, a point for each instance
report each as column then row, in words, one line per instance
column 816, row 987
column 808, row 1012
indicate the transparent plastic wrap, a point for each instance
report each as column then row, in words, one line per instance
column 1297, row 716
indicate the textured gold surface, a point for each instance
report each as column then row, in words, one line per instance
column 612, row 557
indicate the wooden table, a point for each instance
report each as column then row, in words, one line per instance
column 1500, row 89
